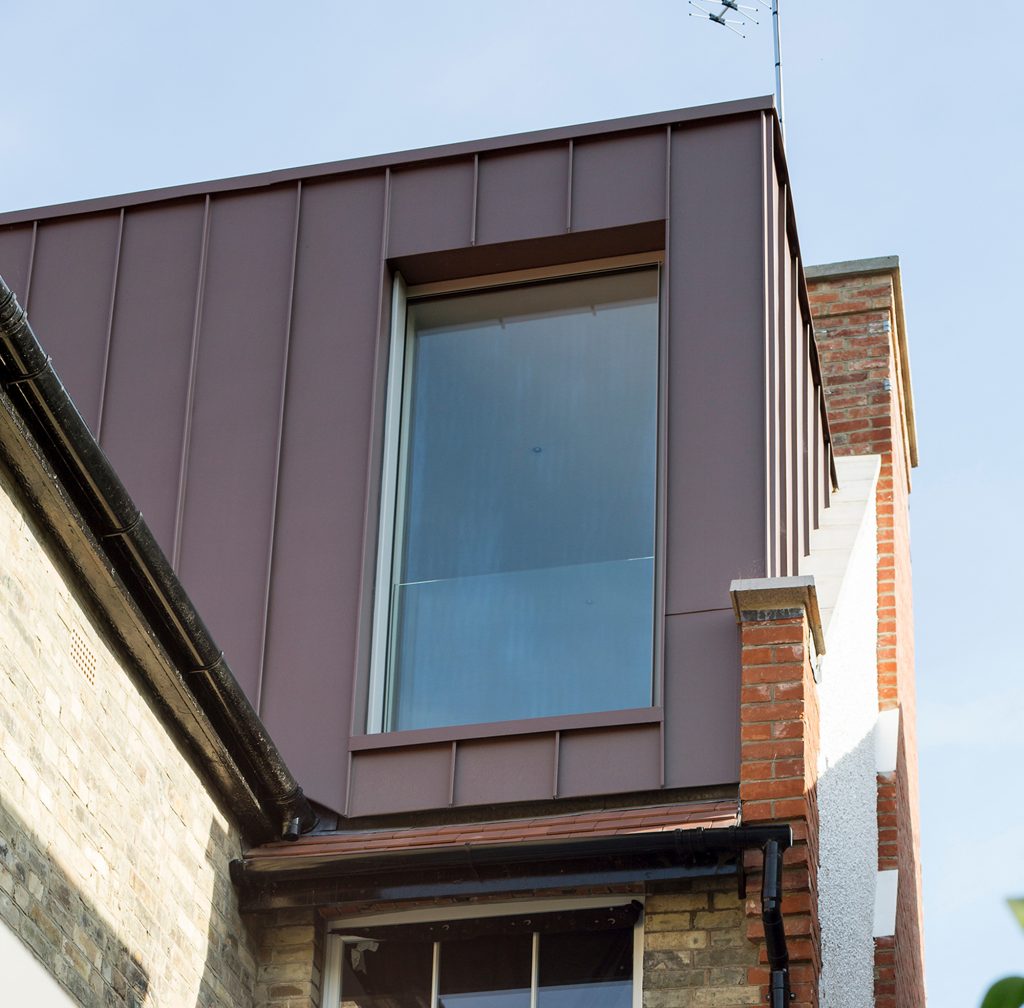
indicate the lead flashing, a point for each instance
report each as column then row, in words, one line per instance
column 778, row 596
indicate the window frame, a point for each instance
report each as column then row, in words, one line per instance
column 334, row 945
column 389, row 525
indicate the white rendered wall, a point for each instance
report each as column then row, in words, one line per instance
column 843, row 562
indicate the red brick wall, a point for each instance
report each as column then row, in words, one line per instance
column 778, row 783
column 855, row 321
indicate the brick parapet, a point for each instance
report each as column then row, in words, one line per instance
column 779, row 740
column 856, row 330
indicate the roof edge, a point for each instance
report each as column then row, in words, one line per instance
column 399, row 158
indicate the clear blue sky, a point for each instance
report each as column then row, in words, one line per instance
column 905, row 133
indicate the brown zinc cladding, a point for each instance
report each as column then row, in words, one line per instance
column 228, row 343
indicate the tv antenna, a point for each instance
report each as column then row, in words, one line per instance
column 744, row 18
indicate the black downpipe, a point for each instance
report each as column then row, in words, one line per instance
column 774, row 930
column 47, row 409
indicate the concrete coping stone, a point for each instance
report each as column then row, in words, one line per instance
column 782, row 594
column 853, row 267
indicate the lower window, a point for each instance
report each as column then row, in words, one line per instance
column 576, row 959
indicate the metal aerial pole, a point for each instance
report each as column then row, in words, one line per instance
column 736, row 25
column 778, row 63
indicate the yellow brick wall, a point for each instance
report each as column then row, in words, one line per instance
column 291, row 957
column 113, row 853
column 696, row 950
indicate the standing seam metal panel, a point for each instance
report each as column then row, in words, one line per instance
column 105, row 366
column 810, row 472
column 664, row 369
column 276, row 479
column 784, row 392
column 619, row 180
column 794, row 454
column 71, row 280
column 150, row 355
column 314, row 594
column 431, row 207
column 716, row 413
column 772, row 441
column 15, row 258
column 716, row 481
column 522, row 194
column 229, row 495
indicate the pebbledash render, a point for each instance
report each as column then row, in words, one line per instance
column 478, row 575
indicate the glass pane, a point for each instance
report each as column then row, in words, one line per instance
column 395, row 974
column 587, row 970
column 525, row 581
column 488, row 972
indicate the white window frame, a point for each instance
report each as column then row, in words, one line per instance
column 334, row 949
column 395, row 418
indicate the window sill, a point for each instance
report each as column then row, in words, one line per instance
column 495, row 729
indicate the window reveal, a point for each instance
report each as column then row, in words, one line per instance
column 522, row 550
column 547, row 969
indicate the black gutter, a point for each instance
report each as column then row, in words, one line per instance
column 678, row 846
column 48, row 413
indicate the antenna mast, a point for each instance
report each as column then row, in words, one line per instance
column 735, row 25
column 778, row 62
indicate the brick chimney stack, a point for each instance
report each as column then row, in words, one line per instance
column 858, row 314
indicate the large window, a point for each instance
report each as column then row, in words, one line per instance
column 516, row 577
column 584, row 958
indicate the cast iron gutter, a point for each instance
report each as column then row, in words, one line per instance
column 46, row 409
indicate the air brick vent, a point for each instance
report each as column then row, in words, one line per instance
column 82, row 656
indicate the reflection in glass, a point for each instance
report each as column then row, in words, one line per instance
column 492, row 971
column 587, row 970
column 524, row 570
column 386, row 974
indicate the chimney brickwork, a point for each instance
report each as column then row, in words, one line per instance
column 778, row 781
column 857, row 309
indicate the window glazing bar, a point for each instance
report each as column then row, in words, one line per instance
column 534, row 969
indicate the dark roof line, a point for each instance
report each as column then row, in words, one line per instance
column 203, row 698
column 399, row 159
